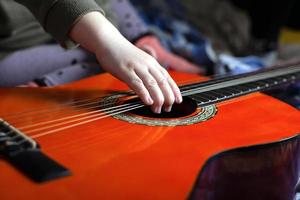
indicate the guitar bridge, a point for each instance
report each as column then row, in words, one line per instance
column 13, row 141
column 24, row 154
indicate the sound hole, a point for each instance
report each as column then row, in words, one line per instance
column 187, row 107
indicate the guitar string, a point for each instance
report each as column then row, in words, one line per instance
column 68, row 110
column 69, row 117
column 82, row 122
column 18, row 115
column 243, row 80
column 43, row 108
column 214, row 78
column 106, row 110
column 59, row 110
column 72, row 104
column 122, row 106
column 192, row 82
column 102, row 114
column 125, row 108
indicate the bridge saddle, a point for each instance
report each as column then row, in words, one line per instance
column 13, row 141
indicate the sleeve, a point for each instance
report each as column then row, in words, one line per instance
column 58, row 16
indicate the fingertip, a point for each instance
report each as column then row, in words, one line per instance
column 168, row 109
column 179, row 99
column 149, row 101
column 156, row 110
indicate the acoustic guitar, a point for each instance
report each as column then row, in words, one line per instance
column 93, row 139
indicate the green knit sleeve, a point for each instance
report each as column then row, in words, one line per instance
column 58, row 16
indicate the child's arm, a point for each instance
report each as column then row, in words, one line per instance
column 118, row 56
column 83, row 22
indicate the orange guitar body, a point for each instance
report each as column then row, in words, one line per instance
column 114, row 159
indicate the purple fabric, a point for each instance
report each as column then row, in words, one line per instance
column 70, row 74
column 26, row 65
column 129, row 22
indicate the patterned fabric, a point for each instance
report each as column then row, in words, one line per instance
column 26, row 65
column 163, row 20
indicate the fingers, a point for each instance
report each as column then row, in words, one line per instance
column 137, row 85
column 161, row 87
column 173, row 85
column 163, row 84
column 155, row 92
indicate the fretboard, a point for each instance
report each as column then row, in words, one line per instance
column 218, row 90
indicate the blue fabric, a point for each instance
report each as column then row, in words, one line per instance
column 236, row 65
column 165, row 20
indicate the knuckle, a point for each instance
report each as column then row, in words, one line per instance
column 149, row 59
column 151, row 62
column 135, row 82
column 164, row 72
column 170, row 100
column 141, row 93
column 151, row 82
column 130, row 65
column 159, row 101
column 162, row 80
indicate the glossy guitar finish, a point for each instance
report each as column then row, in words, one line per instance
column 114, row 159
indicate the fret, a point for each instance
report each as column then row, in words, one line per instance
column 284, row 79
column 249, row 85
column 232, row 90
column 207, row 96
column 225, row 92
column 237, row 89
column 275, row 81
column 260, row 83
column 218, row 94
column 270, row 82
column 213, row 95
column 200, row 98
column 243, row 88
column 254, row 86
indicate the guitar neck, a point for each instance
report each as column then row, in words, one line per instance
column 217, row 90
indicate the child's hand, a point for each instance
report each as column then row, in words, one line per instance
column 140, row 71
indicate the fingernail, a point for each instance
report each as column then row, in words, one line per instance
column 179, row 99
column 168, row 109
column 157, row 110
column 149, row 101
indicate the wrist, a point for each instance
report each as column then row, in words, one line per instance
column 94, row 32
